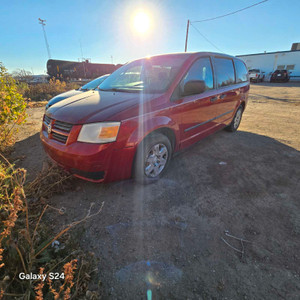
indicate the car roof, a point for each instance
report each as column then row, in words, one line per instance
column 189, row 54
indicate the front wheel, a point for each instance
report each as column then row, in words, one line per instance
column 152, row 158
column 235, row 123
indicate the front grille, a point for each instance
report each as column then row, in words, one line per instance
column 47, row 120
column 62, row 126
column 60, row 130
column 59, row 137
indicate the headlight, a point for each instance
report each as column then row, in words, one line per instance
column 99, row 132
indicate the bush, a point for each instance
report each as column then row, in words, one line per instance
column 46, row 91
column 22, row 87
column 12, row 108
column 26, row 241
column 28, row 245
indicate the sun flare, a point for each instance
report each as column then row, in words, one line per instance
column 141, row 22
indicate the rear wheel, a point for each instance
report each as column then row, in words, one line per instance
column 235, row 123
column 152, row 158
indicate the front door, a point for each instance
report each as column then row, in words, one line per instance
column 196, row 113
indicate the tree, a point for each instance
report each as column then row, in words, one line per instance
column 22, row 75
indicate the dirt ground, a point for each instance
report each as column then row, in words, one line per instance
column 170, row 237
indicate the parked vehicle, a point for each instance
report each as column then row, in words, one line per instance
column 280, row 76
column 89, row 86
column 143, row 113
column 256, row 75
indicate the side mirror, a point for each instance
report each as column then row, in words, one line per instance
column 193, row 87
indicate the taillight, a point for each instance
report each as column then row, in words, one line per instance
column 256, row 75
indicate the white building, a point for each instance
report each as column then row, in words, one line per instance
column 281, row 60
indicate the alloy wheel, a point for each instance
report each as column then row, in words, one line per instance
column 156, row 160
column 237, row 118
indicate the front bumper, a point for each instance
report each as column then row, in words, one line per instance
column 92, row 162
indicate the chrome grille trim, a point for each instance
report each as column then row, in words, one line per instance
column 59, row 137
column 47, row 120
column 60, row 130
column 62, row 126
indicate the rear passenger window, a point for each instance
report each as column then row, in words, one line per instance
column 224, row 71
column 241, row 71
column 200, row 70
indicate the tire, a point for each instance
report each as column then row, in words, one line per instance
column 152, row 158
column 235, row 123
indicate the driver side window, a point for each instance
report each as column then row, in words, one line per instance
column 200, row 70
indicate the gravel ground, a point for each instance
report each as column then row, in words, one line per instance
column 172, row 237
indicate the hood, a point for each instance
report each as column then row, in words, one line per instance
column 97, row 106
column 63, row 96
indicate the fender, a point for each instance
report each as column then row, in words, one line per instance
column 149, row 125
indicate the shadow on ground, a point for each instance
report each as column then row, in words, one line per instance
column 166, row 237
column 29, row 154
column 278, row 84
column 260, row 96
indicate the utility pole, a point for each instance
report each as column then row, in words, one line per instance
column 187, row 35
column 81, row 50
column 82, row 59
column 43, row 23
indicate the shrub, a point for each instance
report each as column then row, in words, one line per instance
column 45, row 91
column 25, row 241
column 22, row 87
column 12, row 108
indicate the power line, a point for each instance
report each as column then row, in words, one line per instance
column 234, row 12
column 210, row 19
column 206, row 38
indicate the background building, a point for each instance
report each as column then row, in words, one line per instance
column 281, row 60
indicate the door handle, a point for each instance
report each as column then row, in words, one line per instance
column 213, row 99
column 223, row 96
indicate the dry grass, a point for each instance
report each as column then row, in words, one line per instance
column 45, row 91
column 21, row 247
column 33, row 104
column 51, row 180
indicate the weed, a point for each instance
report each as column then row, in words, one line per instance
column 48, row 182
column 45, row 91
column 24, row 239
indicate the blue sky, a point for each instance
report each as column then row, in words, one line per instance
column 105, row 29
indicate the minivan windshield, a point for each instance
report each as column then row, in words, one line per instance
column 150, row 75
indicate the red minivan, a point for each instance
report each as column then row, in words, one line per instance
column 143, row 113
